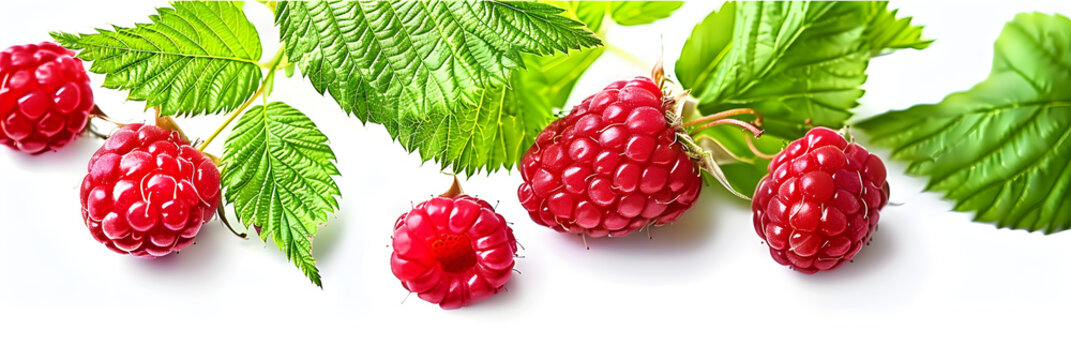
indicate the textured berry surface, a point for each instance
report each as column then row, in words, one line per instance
column 611, row 167
column 148, row 192
column 820, row 202
column 45, row 98
column 453, row 251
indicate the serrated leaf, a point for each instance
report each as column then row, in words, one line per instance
column 387, row 61
column 1003, row 148
column 277, row 171
column 630, row 13
column 196, row 58
column 504, row 121
column 800, row 64
column 887, row 32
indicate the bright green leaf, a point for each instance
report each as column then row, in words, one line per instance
column 388, row 61
column 1003, row 148
column 277, row 169
column 631, row 13
column 706, row 48
column 504, row 121
column 887, row 32
column 197, row 58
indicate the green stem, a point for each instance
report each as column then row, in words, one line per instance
column 272, row 66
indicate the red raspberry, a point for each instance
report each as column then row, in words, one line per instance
column 611, row 167
column 820, row 202
column 148, row 192
column 45, row 98
column 453, row 251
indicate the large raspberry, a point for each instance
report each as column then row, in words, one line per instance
column 820, row 202
column 148, row 192
column 453, row 251
column 45, row 98
column 611, row 167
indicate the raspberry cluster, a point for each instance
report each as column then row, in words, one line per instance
column 45, row 98
column 820, row 202
column 148, row 192
column 611, row 167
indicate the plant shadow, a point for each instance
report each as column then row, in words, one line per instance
column 196, row 260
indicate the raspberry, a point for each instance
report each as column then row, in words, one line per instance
column 453, row 250
column 45, row 98
column 611, row 167
column 820, row 202
column 148, row 192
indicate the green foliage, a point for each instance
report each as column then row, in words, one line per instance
column 437, row 75
column 502, row 125
column 391, row 61
column 277, row 170
column 195, row 58
column 797, row 63
column 631, row 13
column 505, row 120
column 1003, row 148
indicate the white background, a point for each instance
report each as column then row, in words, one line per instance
column 932, row 282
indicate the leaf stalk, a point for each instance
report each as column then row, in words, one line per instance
column 272, row 66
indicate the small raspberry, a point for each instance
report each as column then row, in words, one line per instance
column 453, row 250
column 45, row 98
column 148, row 192
column 611, row 167
column 820, row 202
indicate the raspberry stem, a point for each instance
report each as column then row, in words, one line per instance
column 724, row 118
column 231, row 118
column 455, row 189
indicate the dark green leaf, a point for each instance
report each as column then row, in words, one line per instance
column 800, row 64
column 1003, row 148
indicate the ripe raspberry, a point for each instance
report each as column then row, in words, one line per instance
column 611, row 167
column 148, row 192
column 820, row 202
column 45, row 98
column 453, row 250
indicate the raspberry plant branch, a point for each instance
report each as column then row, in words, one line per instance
column 273, row 65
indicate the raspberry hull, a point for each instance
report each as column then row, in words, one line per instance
column 45, row 97
column 611, row 167
column 820, row 202
column 453, row 251
column 148, row 192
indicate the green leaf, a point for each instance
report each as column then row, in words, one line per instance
column 277, row 169
column 1003, row 148
column 631, row 13
column 706, row 48
column 504, row 121
column 887, row 32
column 800, row 64
column 389, row 61
column 197, row 58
